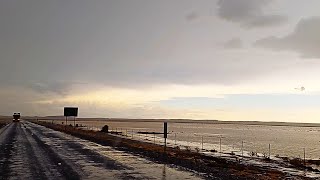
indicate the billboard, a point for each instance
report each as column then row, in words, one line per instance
column 70, row 111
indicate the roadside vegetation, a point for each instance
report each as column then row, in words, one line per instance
column 3, row 122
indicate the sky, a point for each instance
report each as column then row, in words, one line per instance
column 209, row 59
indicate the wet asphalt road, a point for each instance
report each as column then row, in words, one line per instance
column 30, row 151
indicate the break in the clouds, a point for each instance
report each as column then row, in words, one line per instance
column 249, row 13
column 249, row 101
column 304, row 39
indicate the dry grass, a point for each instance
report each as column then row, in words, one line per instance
column 4, row 121
column 299, row 163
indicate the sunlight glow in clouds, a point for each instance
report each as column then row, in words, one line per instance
column 150, row 102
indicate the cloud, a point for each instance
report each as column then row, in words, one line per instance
column 52, row 87
column 192, row 16
column 234, row 43
column 270, row 20
column 56, row 87
column 304, row 39
column 124, row 50
column 249, row 13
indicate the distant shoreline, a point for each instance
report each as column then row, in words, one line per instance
column 291, row 124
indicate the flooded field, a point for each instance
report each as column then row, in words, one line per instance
column 284, row 140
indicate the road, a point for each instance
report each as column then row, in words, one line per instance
column 30, row 151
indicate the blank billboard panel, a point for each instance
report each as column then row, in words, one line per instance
column 70, row 111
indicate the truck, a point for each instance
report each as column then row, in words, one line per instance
column 16, row 117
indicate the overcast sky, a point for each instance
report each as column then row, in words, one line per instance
column 208, row 59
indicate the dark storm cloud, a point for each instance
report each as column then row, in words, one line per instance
column 304, row 39
column 249, row 13
column 110, row 42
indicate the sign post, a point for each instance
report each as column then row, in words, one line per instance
column 165, row 134
column 71, row 111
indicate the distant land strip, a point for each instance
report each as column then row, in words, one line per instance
column 260, row 123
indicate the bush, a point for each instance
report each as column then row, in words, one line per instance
column 253, row 154
column 188, row 148
column 197, row 149
column 213, row 150
column 296, row 162
column 105, row 129
column 177, row 148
